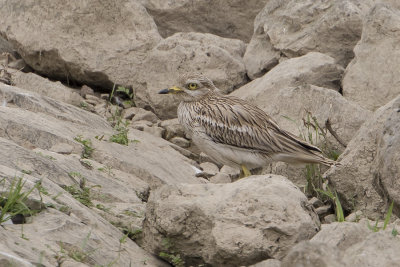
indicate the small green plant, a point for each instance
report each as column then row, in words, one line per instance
column 107, row 169
column 12, row 200
column 87, row 146
column 375, row 227
column 121, row 137
column 84, row 105
column 125, row 91
column 46, row 156
column 26, row 171
column 169, row 254
column 314, row 134
column 338, row 206
column 81, row 193
column 394, row 232
column 102, row 207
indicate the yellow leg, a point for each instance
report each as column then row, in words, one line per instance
column 244, row 172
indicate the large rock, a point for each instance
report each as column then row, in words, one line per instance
column 387, row 173
column 93, row 42
column 228, row 224
column 295, row 28
column 287, row 93
column 56, row 90
column 32, row 121
column 377, row 249
column 362, row 175
column 63, row 229
column 373, row 78
column 226, row 18
column 308, row 254
column 218, row 58
column 346, row 244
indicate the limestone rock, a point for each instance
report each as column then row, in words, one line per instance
column 341, row 235
column 372, row 79
column 260, row 56
column 268, row 263
column 80, row 230
column 155, row 131
column 172, row 128
column 209, row 168
column 221, row 178
column 230, row 19
column 141, row 125
column 312, row 254
column 94, row 48
column 284, row 93
column 295, row 28
column 346, row 244
column 180, row 141
column 355, row 179
column 387, row 162
column 40, row 85
column 218, row 58
column 228, row 224
column 378, row 249
column 144, row 115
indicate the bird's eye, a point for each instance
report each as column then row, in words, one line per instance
column 192, row 86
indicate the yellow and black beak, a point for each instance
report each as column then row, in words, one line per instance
column 172, row 90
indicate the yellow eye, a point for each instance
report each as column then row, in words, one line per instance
column 192, row 86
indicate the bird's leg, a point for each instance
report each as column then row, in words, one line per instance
column 244, row 172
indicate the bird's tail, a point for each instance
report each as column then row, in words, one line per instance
column 304, row 158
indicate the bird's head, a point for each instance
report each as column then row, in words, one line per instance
column 191, row 87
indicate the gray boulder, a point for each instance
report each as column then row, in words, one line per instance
column 220, row 59
column 294, row 28
column 228, row 224
column 372, row 79
column 362, row 175
column 226, row 18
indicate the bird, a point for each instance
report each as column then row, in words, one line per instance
column 234, row 132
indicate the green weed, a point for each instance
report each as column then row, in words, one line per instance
column 375, row 227
column 121, row 137
column 169, row 254
column 338, row 206
column 13, row 200
column 81, row 193
column 87, row 146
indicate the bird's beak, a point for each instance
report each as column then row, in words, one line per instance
column 172, row 90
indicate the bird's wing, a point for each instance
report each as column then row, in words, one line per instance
column 234, row 122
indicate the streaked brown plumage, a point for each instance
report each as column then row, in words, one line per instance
column 234, row 132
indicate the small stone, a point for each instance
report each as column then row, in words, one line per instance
column 180, row 141
column 354, row 217
column 129, row 113
column 145, row 115
column 94, row 100
column 172, row 128
column 267, row 263
column 86, row 90
column 105, row 96
column 62, row 148
column 315, row 202
column 209, row 168
column 330, row 218
column 140, row 125
column 17, row 64
column 155, row 130
column 323, row 210
column 221, row 178
column 232, row 172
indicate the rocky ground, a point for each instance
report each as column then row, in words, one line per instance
column 95, row 169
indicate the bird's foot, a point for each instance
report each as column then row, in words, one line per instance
column 244, row 172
